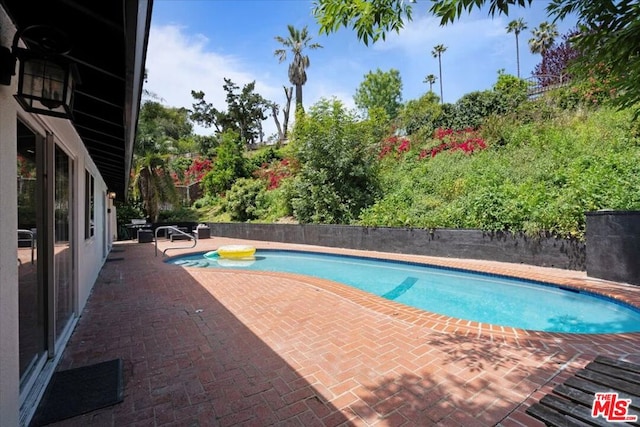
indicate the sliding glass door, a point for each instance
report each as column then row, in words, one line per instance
column 32, row 290
column 45, row 250
column 62, row 250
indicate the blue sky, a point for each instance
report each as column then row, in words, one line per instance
column 194, row 44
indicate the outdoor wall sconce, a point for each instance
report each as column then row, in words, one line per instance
column 111, row 195
column 46, row 78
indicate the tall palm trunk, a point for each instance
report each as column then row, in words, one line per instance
column 297, row 41
column 298, row 96
column 516, row 27
column 440, row 71
column 517, row 55
column 437, row 52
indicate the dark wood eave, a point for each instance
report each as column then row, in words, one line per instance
column 109, row 43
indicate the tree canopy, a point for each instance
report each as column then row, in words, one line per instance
column 160, row 133
column 244, row 115
column 160, row 128
column 609, row 30
column 543, row 37
column 517, row 26
column 373, row 20
column 296, row 41
column 380, row 89
column 338, row 176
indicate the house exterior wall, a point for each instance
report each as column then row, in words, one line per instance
column 9, row 361
column 88, row 254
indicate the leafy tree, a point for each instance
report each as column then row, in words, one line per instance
column 437, row 52
column 338, row 176
column 246, row 110
column 472, row 108
column 608, row 38
column 372, row 20
column 244, row 115
column 421, row 116
column 430, row 79
column 609, row 30
column 517, row 26
column 380, row 89
column 544, row 36
column 296, row 41
column 153, row 184
column 179, row 166
column 206, row 114
column 160, row 130
column 228, row 165
column 512, row 90
column 206, row 144
column 378, row 125
column 556, row 62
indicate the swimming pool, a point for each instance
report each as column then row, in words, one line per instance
column 477, row 297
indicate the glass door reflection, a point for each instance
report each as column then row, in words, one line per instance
column 31, row 293
column 62, row 257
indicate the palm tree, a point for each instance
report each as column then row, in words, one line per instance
column 543, row 38
column 431, row 79
column 437, row 52
column 516, row 27
column 296, row 42
column 153, row 183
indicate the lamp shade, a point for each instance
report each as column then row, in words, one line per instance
column 45, row 84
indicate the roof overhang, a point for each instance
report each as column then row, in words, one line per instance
column 109, row 43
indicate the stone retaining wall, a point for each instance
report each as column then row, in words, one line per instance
column 494, row 246
column 613, row 250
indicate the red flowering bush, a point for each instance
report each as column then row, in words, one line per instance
column 466, row 140
column 274, row 173
column 194, row 173
column 394, row 144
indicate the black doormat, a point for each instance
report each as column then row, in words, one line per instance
column 77, row 391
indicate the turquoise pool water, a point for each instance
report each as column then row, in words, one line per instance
column 472, row 296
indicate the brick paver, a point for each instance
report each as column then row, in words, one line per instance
column 208, row 347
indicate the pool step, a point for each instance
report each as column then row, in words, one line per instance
column 192, row 263
column 401, row 288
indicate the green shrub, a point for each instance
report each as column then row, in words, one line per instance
column 125, row 212
column 262, row 157
column 420, row 116
column 542, row 177
column 228, row 165
column 338, row 176
column 242, row 199
column 182, row 214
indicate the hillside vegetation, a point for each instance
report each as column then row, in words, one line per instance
column 535, row 176
column 494, row 160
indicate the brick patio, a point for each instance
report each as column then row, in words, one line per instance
column 207, row 347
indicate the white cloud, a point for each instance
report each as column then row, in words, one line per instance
column 178, row 63
column 421, row 35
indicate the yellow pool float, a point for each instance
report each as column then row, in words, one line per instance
column 232, row 252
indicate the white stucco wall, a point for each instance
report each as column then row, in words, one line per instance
column 89, row 254
column 9, row 361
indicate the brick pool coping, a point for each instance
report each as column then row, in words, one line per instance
column 625, row 293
